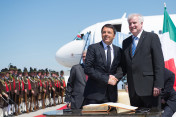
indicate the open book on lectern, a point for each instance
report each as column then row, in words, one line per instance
column 106, row 107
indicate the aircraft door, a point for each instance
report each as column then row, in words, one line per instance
column 86, row 38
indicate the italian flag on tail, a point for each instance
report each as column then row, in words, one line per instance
column 168, row 41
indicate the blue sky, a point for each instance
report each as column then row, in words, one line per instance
column 31, row 31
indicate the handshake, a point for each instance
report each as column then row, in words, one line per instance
column 112, row 80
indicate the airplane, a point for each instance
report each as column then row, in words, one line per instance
column 70, row 53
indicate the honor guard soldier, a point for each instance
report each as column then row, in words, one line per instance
column 39, row 73
column 37, row 89
column 32, row 92
column 27, row 88
column 53, row 89
column 44, row 88
column 58, row 86
column 17, row 87
column 50, row 89
column 47, row 89
column 21, row 90
column 1, row 100
column 5, row 87
column 13, row 93
column 63, row 85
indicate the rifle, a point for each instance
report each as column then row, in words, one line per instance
column 49, row 95
column 54, row 98
column 62, row 94
column 5, row 100
column 34, row 102
column 15, row 104
column 25, row 95
column 32, row 99
column 37, row 98
column 19, row 101
column 43, row 100
column 11, row 101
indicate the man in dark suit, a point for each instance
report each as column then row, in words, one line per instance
column 144, row 64
column 103, row 67
column 75, row 86
column 168, row 97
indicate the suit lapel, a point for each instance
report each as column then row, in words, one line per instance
column 101, row 48
column 129, row 49
column 140, row 42
column 115, row 55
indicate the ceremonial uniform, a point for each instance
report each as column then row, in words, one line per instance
column 63, row 87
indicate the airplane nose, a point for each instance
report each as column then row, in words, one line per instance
column 70, row 54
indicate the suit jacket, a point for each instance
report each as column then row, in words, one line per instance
column 96, row 69
column 145, row 70
column 169, row 94
column 75, row 86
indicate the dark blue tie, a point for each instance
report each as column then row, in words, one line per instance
column 108, row 57
column 134, row 46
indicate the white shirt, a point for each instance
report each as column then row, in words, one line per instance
column 138, row 36
column 106, row 49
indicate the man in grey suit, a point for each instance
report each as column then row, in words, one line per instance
column 103, row 66
column 75, row 86
column 144, row 64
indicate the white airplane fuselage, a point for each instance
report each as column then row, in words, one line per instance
column 70, row 53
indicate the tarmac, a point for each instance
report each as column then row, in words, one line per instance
column 41, row 111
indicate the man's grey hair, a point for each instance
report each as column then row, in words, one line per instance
column 140, row 17
column 85, row 51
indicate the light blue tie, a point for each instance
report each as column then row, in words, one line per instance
column 134, row 45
